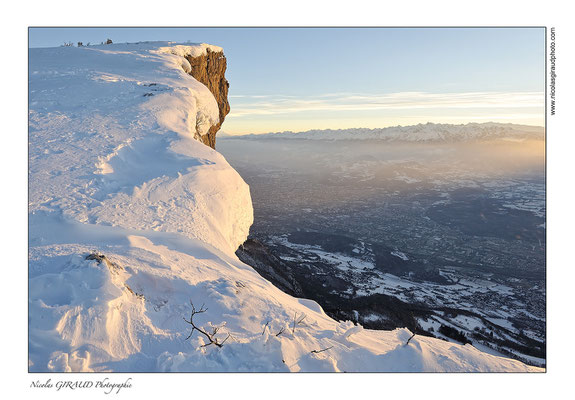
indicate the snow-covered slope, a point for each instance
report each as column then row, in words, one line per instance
column 132, row 220
column 417, row 133
column 112, row 133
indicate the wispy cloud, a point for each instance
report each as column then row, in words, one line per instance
column 245, row 106
column 256, row 96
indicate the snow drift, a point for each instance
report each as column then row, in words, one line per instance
column 132, row 219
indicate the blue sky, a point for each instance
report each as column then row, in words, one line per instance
column 313, row 78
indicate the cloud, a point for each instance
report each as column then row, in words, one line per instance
column 255, row 96
column 246, row 106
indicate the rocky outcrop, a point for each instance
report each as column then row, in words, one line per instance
column 259, row 257
column 210, row 69
column 312, row 279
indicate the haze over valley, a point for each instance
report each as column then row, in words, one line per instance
column 188, row 213
column 450, row 220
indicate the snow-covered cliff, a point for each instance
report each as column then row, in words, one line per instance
column 112, row 142
column 133, row 219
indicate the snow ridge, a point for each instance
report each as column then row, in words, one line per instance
column 132, row 220
column 112, row 133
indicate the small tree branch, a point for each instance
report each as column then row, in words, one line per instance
column 211, row 337
column 319, row 351
column 406, row 343
column 296, row 322
column 227, row 337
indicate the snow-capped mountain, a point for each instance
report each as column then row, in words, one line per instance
column 133, row 227
column 417, row 133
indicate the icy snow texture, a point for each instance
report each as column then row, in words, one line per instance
column 115, row 169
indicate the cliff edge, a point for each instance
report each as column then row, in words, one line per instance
column 210, row 69
column 133, row 224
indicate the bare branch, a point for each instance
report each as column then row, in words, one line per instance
column 265, row 326
column 193, row 329
column 406, row 343
column 281, row 331
column 296, row 322
column 229, row 335
column 211, row 337
column 319, row 351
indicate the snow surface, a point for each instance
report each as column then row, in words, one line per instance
column 115, row 170
column 195, row 50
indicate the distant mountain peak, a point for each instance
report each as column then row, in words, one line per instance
column 428, row 132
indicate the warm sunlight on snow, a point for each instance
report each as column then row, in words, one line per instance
column 132, row 220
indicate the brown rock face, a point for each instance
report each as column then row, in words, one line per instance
column 210, row 69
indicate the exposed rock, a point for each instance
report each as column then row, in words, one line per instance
column 99, row 258
column 210, row 69
column 269, row 266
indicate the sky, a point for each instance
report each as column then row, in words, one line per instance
column 318, row 78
